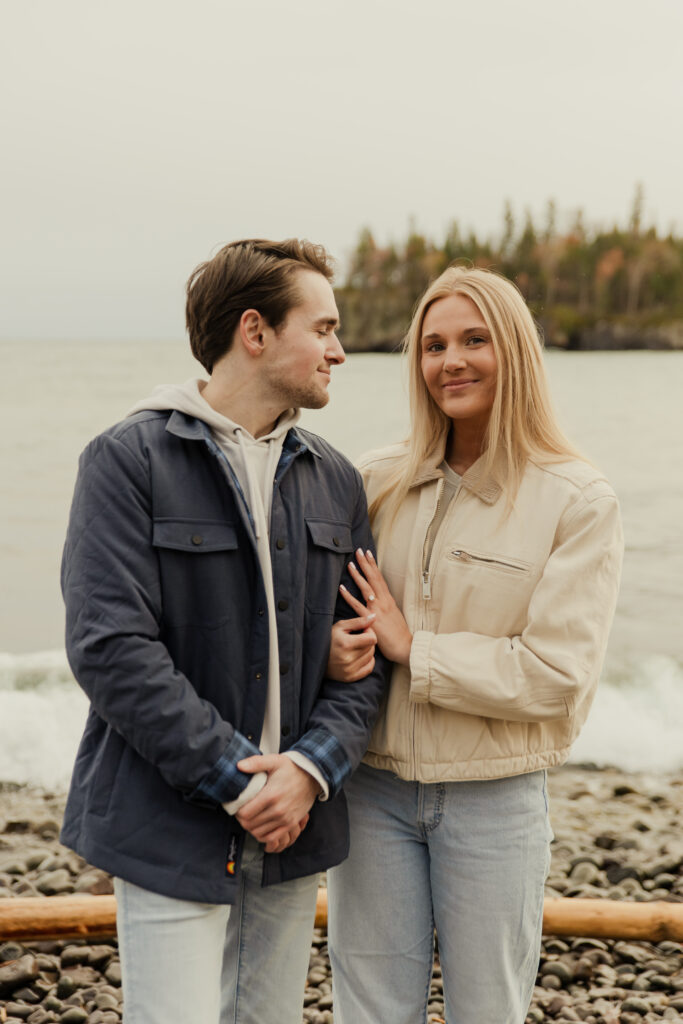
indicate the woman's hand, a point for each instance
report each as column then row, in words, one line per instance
column 352, row 651
column 391, row 629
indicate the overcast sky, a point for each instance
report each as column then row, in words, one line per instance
column 138, row 136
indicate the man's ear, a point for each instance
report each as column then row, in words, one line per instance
column 251, row 332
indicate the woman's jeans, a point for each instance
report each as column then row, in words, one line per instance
column 205, row 963
column 469, row 858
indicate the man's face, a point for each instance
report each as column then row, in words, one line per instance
column 303, row 351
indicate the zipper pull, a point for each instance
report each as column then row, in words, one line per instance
column 426, row 587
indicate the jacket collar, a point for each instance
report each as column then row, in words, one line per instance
column 474, row 480
column 298, row 443
column 192, row 429
column 187, row 427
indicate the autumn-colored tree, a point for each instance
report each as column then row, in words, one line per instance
column 571, row 278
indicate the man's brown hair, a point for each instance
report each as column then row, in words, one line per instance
column 250, row 274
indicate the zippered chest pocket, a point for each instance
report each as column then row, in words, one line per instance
column 489, row 560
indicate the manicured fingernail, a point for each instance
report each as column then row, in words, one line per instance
column 371, row 617
column 342, row 587
column 371, row 597
column 370, row 556
column 352, row 565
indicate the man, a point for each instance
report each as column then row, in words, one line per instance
column 207, row 542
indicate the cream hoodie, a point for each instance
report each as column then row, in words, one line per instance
column 254, row 462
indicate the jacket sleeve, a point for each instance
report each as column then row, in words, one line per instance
column 344, row 714
column 112, row 591
column 556, row 661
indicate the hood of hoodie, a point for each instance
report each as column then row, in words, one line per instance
column 188, row 398
column 253, row 460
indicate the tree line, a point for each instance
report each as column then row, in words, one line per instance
column 628, row 279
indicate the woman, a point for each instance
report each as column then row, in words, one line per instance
column 500, row 550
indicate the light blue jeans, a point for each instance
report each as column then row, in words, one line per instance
column 214, row 964
column 469, row 858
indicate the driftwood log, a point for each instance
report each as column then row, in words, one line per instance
column 614, row 919
column 68, row 917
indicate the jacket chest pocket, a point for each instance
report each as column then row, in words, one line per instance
column 330, row 547
column 196, row 560
column 497, row 565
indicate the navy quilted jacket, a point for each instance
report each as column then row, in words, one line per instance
column 167, row 633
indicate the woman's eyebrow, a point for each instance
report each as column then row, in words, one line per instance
column 433, row 335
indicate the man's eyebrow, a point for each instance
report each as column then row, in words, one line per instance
column 327, row 321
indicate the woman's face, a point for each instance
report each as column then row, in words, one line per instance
column 458, row 360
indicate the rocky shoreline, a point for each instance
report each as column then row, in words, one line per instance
column 617, row 836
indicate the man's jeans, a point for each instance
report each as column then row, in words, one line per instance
column 469, row 858
column 214, row 964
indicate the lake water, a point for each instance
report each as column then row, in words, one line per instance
column 623, row 409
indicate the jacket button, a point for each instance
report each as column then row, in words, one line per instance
column 197, row 539
column 250, row 736
column 284, row 668
column 283, row 605
column 335, row 541
column 279, row 543
column 285, row 730
column 257, row 676
column 261, row 611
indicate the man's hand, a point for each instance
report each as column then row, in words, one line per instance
column 352, row 650
column 278, row 814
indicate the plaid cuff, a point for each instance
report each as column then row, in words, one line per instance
column 225, row 781
column 328, row 755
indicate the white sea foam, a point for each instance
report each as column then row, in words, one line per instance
column 42, row 714
column 636, row 722
column 29, row 671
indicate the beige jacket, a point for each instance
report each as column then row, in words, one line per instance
column 509, row 625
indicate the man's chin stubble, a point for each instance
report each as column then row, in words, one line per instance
column 305, row 398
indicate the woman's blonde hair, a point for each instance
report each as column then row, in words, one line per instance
column 522, row 424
